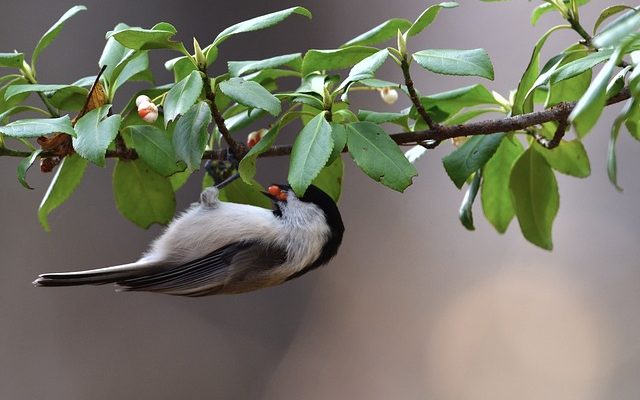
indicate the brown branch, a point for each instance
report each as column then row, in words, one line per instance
column 413, row 95
column 238, row 149
column 557, row 113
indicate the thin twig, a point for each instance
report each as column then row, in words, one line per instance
column 413, row 95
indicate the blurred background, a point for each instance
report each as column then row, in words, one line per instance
column 413, row 307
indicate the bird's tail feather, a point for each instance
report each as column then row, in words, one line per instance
column 99, row 276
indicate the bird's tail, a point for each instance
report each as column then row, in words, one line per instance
column 99, row 276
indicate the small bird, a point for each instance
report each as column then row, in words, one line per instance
column 217, row 247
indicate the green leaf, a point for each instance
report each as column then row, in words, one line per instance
column 339, row 136
column 158, row 37
column 535, row 197
column 530, row 75
column 134, row 68
column 608, row 12
column 113, row 53
column 470, row 157
column 17, row 109
column 465, row 214
column 496, row 196
column 329, row 180
column 540, row 11
column 15, row 90
column 442, row 105
column 380, row 33
column 141, row 195
column 327, row 60
column 589, row 108
column 50, row 35
column 241, row 192
column 251, row 94
column 366, row 68
column 191, row 134
column 154, row 146
column 71, row 98
column 612, row 163
column 569, row 158
column 24, row 166
column 247, row 167
column 572, row 89
column 473, row 62
column 378, row 156
column 261, row 22
column 11, row 60
column 382, row 117
column 239, row 68
column 95, row 132
column 633, row 119
column 618, row 31
column 243, row 119
column 62, row 186
column 28, row 128
column 579, row 66
column 182, row 96
column 179, row 179
column 310, row 153
column 428, row 16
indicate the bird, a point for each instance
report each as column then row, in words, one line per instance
column 218, row 247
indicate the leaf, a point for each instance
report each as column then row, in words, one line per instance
column 380, row 33
column 62, row 186
column 11, row 60
column 134, row 68
column 339, row 136
column 378, row 156
column 612, row 163
column 470, row 157
column 247, row 167
column 261, row 22
column 240, row 192
column 329, row 180
column 141, row 195
column 442, row 105
column 154, row 147
column 50, row 35
column 496, row 196
column 179, row 179
column 158, row 37
column 113, row 53
column 569, row 158
column 24, row 166
column 327, row 60
column 251, row 94
column 182, row 96
column 608, row 12
column 633, row 119
column 239, row 68
column 15, row 90
column 28, row 128
column 465, row 214
column 535, row 197
column 366, row 68
column 382, row 117
column 473, row 62
column 589, row 108
column 191, row 134
column 530, row 74
column 310, row 153
column 428, row 16
column 95, row 132
column 580, row 66
column 71, row 98
column 616, row 33
column 572, row 89
column 539, row 12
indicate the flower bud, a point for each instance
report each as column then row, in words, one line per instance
column 458, row 141
column 148, row 112
column 142, row 99
column 389, row 95
column 254, row 137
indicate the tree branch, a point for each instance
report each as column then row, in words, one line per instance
column 558, row 113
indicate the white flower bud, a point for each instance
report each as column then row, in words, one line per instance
column 389, row 95
column 148, row 112
column 142, row 99
column 254, row 137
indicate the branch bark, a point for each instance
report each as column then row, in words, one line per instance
column 558, row 113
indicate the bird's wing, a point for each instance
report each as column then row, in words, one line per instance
column 234, row 268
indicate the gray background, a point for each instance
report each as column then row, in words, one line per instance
column 413, row 307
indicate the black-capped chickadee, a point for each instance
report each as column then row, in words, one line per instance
column 218, row 247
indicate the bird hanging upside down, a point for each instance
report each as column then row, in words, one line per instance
column 217, row 247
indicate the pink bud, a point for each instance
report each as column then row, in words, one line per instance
column 254, row 137
column 142, row 99
column 148, row 112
